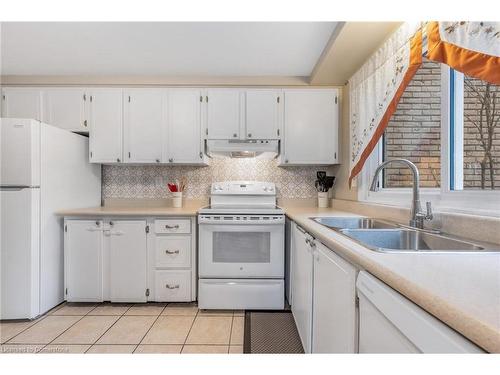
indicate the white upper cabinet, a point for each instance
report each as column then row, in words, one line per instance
column 22, row 103
column 224, row 113
column 144, row 124
column 106, row 124
column 65, row 108
column 310, row 127
column 127, row 260
column 184, row 139
column 334, row 303
column 262, row 114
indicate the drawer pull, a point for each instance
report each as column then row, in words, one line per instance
column 168, row 286
column 172, row 252
column 172, row 226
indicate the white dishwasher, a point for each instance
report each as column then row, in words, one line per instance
column 390, row 323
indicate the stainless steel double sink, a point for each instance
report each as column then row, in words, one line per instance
column 386, row 236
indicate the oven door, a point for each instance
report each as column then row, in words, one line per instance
column 241, row 250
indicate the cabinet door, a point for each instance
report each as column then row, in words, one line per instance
column 65, row 108
column 127, row 260
column 106, row 124
column 144, row 125
column 22, row 103
column 184, row 127
column 262, row 114
column 334, row 303
column 302, row 284
column 223, row 113
column 311, row 127
column 83, row 261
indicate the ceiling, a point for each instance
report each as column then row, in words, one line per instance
column 163, row 48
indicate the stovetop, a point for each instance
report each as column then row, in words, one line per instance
column 243, row 197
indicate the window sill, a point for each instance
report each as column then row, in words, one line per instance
column 479, row 203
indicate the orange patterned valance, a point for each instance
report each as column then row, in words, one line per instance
column 472, row 48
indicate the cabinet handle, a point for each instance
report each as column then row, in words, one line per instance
column 118, row 160
column 172, row 252
column 235, row 135
column 335, row 155
column 286, row 160
column 249, row 135
column 172, row 226
column 171, row 160
column 201, row 155
column 85, row 123
column 168, row 286
column 92, row 229
column 157, row 160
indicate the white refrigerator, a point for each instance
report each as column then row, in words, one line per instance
column 43, row 169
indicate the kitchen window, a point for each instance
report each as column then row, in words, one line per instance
column 448, row 124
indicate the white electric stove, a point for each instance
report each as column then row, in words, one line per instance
column 241, row 248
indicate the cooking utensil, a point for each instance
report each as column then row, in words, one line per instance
column 330, row 181
column 321, row 175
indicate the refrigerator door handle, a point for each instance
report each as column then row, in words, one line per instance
column 18, row 187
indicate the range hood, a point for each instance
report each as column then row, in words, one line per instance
column 255, row 148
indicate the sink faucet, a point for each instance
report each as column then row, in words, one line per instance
column 417, row 215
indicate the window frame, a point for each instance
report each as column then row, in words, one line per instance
column 450, row 196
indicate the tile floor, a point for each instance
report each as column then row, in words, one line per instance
column 126, row 328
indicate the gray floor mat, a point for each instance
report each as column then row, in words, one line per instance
column 271, row 332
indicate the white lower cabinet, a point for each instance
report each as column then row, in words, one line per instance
column 324, row 296
column 173, row 285
column 334, row 303
column 126, row 260
column 302, row 284
column 83, row 258
column 173, row 260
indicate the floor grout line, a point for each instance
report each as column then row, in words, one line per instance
column 83, row 316
column 149, row 329
column 116, row 321
column 190, row 328
column 17, row 334
column 230, row 333
column 37, row 320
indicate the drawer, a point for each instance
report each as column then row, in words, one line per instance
column 241, row 294
column 173, row 226
column 173, row 286
column 173, row 251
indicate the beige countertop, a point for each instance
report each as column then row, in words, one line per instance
column 139, row 208
column 460, row 289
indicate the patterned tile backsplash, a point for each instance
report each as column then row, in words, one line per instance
column 150, row 181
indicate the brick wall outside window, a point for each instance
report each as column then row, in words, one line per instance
column 414, row 133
